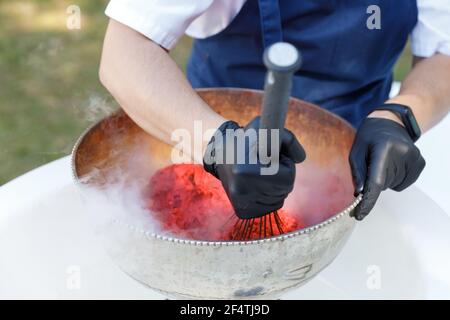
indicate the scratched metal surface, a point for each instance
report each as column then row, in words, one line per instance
column 229, row 270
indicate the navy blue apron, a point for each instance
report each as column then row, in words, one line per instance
column 347, row 67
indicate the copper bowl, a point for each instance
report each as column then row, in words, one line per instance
column 188, row 268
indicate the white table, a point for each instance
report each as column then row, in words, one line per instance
column 48, row 249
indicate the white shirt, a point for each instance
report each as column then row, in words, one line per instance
column 165, row 21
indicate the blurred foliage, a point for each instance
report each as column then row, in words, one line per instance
column 49, row 88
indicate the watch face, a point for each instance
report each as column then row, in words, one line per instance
column 414, row 125
column 408, row 118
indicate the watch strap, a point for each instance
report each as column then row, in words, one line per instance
column 407, row 116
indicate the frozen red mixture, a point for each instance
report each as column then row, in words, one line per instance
column 188, row 202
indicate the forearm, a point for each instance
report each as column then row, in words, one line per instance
column 149, row 86
column 426, row 90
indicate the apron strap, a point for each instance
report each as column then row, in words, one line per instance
column 270, row 17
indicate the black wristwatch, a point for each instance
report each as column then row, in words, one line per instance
column 407, row 116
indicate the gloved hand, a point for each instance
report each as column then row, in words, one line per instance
column 251, row 193
column 383, row 156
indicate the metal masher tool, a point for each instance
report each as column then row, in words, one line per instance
column 282, row 60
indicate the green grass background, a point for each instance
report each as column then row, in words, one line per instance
column 49, row 88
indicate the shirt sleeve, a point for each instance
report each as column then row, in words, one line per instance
column 432, row 32
column 163, row 21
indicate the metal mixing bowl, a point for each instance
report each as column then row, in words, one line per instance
column 229, row 270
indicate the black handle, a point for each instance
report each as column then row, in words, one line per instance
column 282, row 61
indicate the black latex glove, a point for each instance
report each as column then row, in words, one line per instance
column 252, row 194
column 383, row 156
